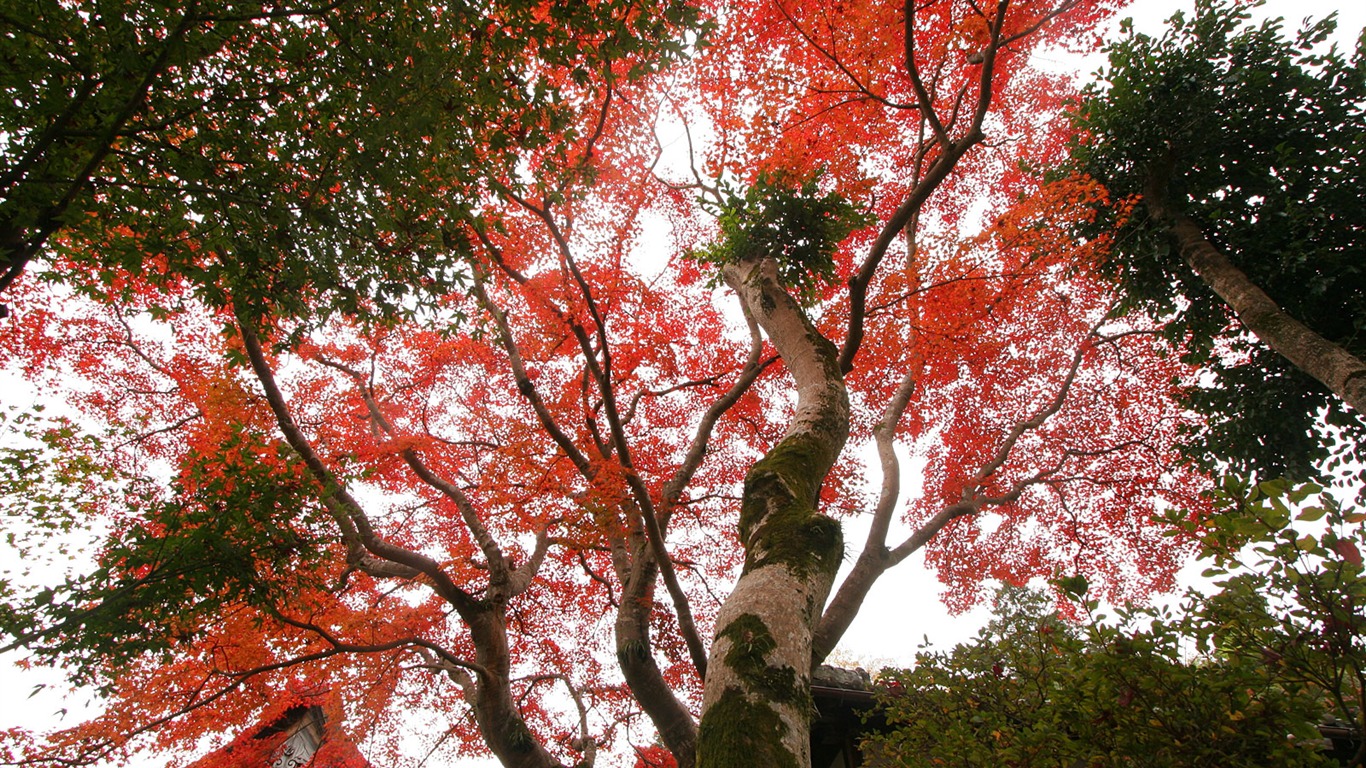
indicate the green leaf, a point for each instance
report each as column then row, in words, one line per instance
column 1311, row 514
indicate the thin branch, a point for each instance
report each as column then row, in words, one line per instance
column 524, row 384
column 833, row 59
column 497, row 563
column 644, row 504
column 417, row 642
column 346, row 510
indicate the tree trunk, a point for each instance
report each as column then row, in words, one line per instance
column 1339, row 370
column 495, row 710
column 1342, row 372
column 642, row 673
column 756, row 707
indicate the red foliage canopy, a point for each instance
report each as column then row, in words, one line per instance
column 467, row 511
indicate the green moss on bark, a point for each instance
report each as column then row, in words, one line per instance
column 778, row 518
column 739, row 733
column 632, row 650
column 520, row 738
column 750, row 644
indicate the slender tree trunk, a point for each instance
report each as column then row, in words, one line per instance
column 1339, row 370
column 843, row 609
column 495, row 710
column 1342, row 372
column 643, row 676
column 756, row 707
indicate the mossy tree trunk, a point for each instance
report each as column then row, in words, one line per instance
column 756, row 707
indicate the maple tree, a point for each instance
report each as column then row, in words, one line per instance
column 314, row 143
column 423, row 385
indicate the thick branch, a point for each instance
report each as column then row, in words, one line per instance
column 873, row 560
column 697, row 449
column 670, row 716
column 522, row 576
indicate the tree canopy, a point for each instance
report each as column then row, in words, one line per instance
column 507, row 369
column 1245, row 144
column 303, row 158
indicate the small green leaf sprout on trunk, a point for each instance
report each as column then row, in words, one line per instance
column 790, row 221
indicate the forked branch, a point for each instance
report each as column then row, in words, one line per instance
column 346, row 511
column 876, row 557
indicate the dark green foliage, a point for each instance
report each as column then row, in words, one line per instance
column 1037, row 690
column 295, row 162
column 1263, row 141
column 48, row 476
column 1239, row 677
column 793, row 223
column 1292, row 587
column 239, row 528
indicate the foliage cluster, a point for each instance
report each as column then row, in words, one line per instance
column 1288, row 563
column 295, row 160
column 238, row 527
column 1241, row 676
column 789, row 220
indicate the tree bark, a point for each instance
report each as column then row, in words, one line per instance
column 1342, row 372
column 505, row 731
column 756, row 706
column 1339, row 370
column 643, row 676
